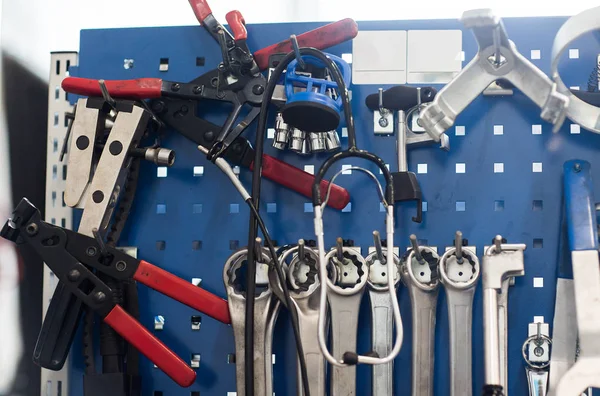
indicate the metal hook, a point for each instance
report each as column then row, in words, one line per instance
column 106, row 95
column 296, row 48
column 458, row 241
column 498, row 243
column 416, row 249
column 339, row 247
column 378, row 248
column 497, row 54
column 301, row 252
column 99, row 240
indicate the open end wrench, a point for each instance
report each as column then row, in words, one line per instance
column 344, row 303
column 459, row 273
column 303, row 277
column 381, row 316
column 423, row 287
column 264, row 319
column 500, row 262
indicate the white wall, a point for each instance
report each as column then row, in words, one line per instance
column 33, row 28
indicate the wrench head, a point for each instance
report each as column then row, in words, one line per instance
column 238, row 275
column 459, row 275
column 378, row 272
column 583, row 375
column 423, row 275
column 352, row 271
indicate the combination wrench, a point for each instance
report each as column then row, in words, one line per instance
column 345, row 295
column 381, row 315
column 305, row 293
column 459, row 273
column 265, row 314
column 500, row 262
column 419, row 273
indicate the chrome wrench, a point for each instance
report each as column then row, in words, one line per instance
column 264, row 309
column 500, row 262
column 459, row 273
column 345, row 295
column 497, row 58
column 536, row 353
column 420, row 275
column 305, row 293
column 381, row 316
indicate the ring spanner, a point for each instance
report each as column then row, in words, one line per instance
column 419, row 274
column 459, row 273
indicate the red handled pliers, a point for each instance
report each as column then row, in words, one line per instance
column 72, row 257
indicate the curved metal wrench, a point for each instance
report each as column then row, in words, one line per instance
column 344, row 303
column 305, row 294
column 497, row 58
column 382, row 319
column 423, row 287
column 266, row 308
column 460, row 281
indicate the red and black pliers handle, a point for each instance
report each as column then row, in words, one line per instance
column 72, row 256
column 319, row 38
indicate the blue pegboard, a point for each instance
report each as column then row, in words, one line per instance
column 182, row 209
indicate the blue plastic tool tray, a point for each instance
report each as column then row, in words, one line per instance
column 192, row 220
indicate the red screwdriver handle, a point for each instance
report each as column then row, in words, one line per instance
column 237, row 24
column 141, row 88
column 319, row 38
column 182, row 291
column 201, row 9
column 150, row 346
column 297, row 180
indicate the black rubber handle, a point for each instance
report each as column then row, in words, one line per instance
column 400, row 97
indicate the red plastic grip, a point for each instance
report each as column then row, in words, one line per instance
column 297, row 180
column 319, row 38
column 142, row 88
column 150, row 346
column 201, row 9
column 182, row 291
column 237, row 24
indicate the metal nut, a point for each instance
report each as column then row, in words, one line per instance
column 121, row 266
column 32, row 229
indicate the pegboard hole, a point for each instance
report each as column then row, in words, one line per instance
column 536, row 167
column 195, row 360
column 63, row 222
column 200, row 61
column 498, row 206
column 573, row 53
column 56, row 93
column 461, row 206
column 538, row 205
column 424, row 206
column 197, row 282
column 157, row 393
column 347, row 57
column 196, row 245
column 197, row 208
column 161, row 209
column 498, row 167
column 161, row 245
column 54, row 172
column 198, row 171
column 459, row 130
column 159, row 322
column 381, row 207
column 161, row 171
column 55, row 145
column 234, row 244
column 308, row 207
column 347, row 208
column 231, row 358
column 538, row 243
column 271, row 208
column 498, row 129
column 164, row 65
column 55, row 119
column 196, row 321
column 536, row 54
column 64, row 172
column 461, row 168
column 536, row 129
column 422, row 168
column 234, row 208
column 58, row 67
column 575, row 129
column 195, row 393
column 128, row 64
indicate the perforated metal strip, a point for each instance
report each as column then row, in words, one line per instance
column 55, row 383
